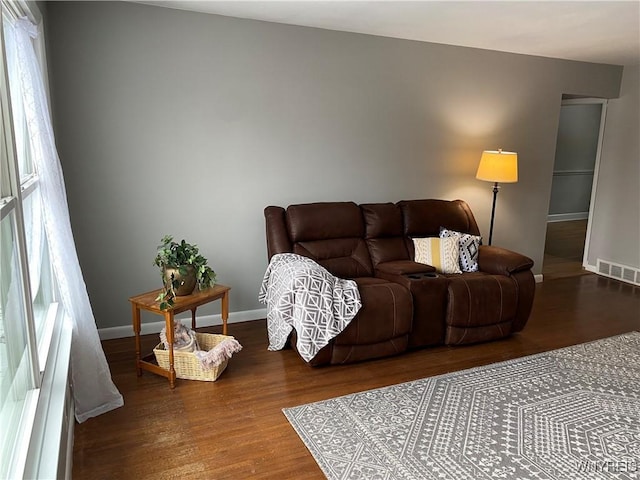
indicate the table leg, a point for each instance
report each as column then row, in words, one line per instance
column 136, row 331
column 168, row 318
column 224, row 311
column 193, row 319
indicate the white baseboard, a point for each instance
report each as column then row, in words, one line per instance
column 202, row 321
column 565, row 217
column 538, row 277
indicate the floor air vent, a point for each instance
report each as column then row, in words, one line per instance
column 629, row 275
column 604, row 268
column 619, row 272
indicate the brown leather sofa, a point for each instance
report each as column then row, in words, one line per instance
column 404, row 304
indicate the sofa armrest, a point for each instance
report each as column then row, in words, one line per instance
column 500, row 261
column 403, row 267
column 277, row 238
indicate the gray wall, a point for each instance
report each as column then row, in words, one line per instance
column 615, row 227
column 190, row 124
column 576, row 148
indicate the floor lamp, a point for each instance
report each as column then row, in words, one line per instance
column 497, row 167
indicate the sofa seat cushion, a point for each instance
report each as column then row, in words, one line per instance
column 404, row 267
column 480, row 307
column 386, row 313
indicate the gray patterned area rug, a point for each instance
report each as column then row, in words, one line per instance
column 572, row 413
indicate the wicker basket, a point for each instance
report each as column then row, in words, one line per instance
column 187, row 365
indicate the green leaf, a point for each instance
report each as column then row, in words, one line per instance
column 172, row 254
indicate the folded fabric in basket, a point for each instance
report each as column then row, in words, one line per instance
column 218, row 354
column 185, row 340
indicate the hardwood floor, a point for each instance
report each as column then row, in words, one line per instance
column 234, row 428
column 564, row 249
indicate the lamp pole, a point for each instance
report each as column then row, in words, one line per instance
column 496, row 187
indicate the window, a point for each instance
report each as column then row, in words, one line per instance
column 40, row 276
column 28, row 307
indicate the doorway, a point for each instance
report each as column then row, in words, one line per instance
column 575, row 172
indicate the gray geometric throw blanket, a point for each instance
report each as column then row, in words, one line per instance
column 301, row 294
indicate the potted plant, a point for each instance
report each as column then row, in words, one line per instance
column 182, row 269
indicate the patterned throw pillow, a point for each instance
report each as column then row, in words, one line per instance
column 469, row 248
column 441, row 253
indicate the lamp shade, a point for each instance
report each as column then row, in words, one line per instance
column 498, row 166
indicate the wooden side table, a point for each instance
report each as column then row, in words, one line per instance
column 147, row 301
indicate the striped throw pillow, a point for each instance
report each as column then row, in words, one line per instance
column 441, row 253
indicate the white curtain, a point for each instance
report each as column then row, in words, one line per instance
column 93, row 389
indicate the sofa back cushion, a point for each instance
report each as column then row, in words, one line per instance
column 423, row 218
column 332, row 234
column 384, row 232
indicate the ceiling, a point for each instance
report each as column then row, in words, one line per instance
column 590, row 31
